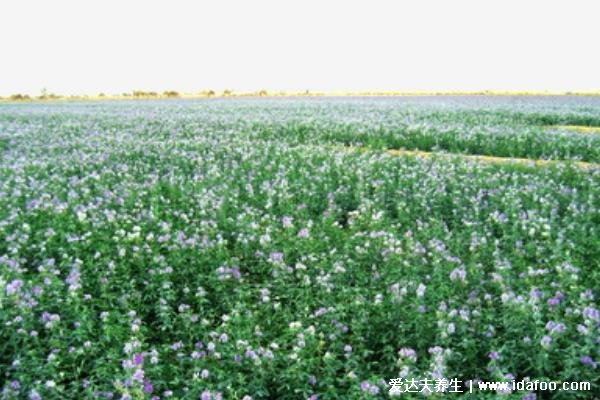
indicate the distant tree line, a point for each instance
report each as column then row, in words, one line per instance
column 173, row 94
column 19, row 96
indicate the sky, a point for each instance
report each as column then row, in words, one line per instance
column 88, row 47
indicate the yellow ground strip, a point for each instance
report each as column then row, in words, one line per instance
column 578, row 128
column 213, row 94
column 483, row 159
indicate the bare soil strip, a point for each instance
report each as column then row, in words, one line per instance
column 483, row 159
column 577, row 128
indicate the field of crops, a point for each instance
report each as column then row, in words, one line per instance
column 277, row 248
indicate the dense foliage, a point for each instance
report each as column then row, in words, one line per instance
column 206, row 249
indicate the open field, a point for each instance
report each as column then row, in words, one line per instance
column 297, row 247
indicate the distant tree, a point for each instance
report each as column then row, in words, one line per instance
column 262, row 93
column 227, row 93
column 207, row 93
column 144, row 94
column 47, row 96
column 19, row 97
column 171, row 93
column 101, row 95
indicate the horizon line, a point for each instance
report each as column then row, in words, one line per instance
column 170, row 94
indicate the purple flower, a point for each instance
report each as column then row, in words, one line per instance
column 458, row 274
column 148, row 387
column 529, row 396
column 138, row 359
column 14, row 287
column 276, row 256
column 591, row 313
column 536, row 293
column 138, row 375
column 73, row 279
column 587, row 295
column 366, row 386
column 183, row 308
column 176, row 346
column 582, row 329
column 587, row 360
column 546, row 340
column 251, row 354
column 304, row 233
column 553, row 301
column 320, row 311
column 206, row 395
column 287, row 222
column 408, row 353
column 163, row 238
column 34, row 395
column 494, row 355
column 555, row 327
column 312, row 380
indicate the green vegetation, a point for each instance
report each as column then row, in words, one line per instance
column 193, row 249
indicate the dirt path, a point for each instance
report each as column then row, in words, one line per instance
column 484, row 159
column 577, row 128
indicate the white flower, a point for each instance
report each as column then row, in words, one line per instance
column 421, row 290
column 81, row 216
column 295, row 325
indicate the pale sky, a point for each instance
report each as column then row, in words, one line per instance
column 87, row 47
